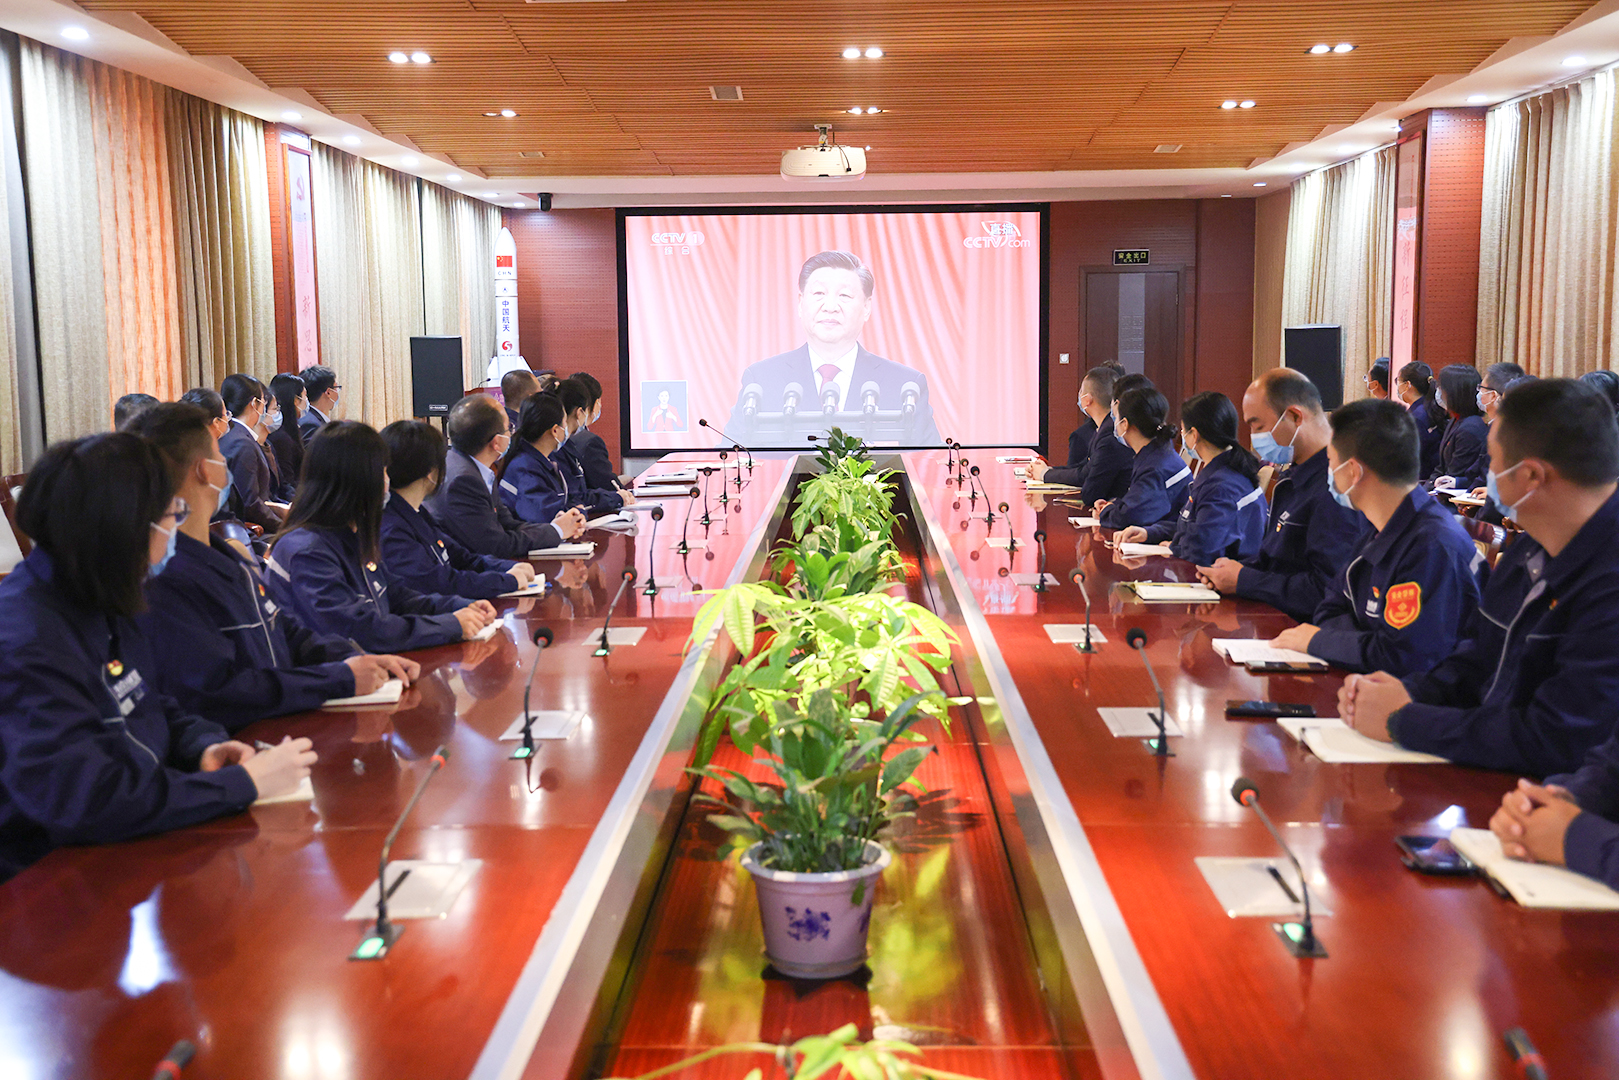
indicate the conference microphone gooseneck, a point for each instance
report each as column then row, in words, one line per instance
column 1299, row 938
column 1040, row 578
column 961, row 467
column 725, row 493
column 1531, row 1066
column 178, row 1057
column 708, row 475
column 973, row 494
column 950, row 455
column 542, row 637
column 723, row 435
column 652, row 553
column 685, row 548
column 382, row 935
column 628, row 579
column 1078, row 578
column 1137, row 640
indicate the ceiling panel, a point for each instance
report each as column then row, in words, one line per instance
column 609, row 89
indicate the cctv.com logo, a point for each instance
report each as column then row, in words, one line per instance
column 677, row 243
column 1001, row 234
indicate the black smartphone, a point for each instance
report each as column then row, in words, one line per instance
column 1432, row 855
column 1279, row 667
column 1267, row 710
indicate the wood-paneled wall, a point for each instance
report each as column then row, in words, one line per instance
column 1271, row 215
column 568, row 293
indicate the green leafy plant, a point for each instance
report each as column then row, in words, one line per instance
column 838, row 560
column 851, row 490
column 838, row 1053
column 841, row 446
column 839, row 787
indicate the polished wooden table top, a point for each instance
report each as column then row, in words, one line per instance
column 232, row 934
column 1424, row 973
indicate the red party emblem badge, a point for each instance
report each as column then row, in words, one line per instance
column 1404, row 605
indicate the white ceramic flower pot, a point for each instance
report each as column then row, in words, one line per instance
column 814, row 927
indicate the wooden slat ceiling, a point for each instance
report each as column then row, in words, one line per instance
column 621, row 89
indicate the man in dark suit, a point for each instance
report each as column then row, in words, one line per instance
column 320, row 383
column 831, row 368
column 465, row 505
column 590, row 448
column 517, row 387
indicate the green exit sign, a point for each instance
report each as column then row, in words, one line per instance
column 1131, row 257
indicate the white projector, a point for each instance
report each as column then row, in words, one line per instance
column 827, row 161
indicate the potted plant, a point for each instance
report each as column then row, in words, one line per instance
column 810, row 839
column 834, row 1054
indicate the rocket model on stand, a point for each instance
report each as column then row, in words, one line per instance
column 507, row 355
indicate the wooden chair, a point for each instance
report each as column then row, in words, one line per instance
column 1490, row 539
column 15, row 545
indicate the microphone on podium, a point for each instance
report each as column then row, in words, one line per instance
column 656, row 514
column 542, row 637
column 791, row 395
column 1040, row 578
column 628, row 579
column 869, row 394
column 1136, row 638
column 910, row 398
column 382, row 935
column 750, row 403
column 1078, row 578
column 1299, row 938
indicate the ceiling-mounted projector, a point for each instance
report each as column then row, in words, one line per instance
column 824, row 161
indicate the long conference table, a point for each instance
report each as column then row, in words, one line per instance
column 232, row 934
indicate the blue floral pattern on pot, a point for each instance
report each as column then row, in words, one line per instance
column 808, row 926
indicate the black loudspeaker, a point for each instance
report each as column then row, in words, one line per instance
column 1317, row 352
column 435, row 374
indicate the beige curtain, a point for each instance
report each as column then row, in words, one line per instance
column 11, row 459
column 1339, row 265
column 222, row 244
column 458, row 254
column 1547, row 241
column 368, row 239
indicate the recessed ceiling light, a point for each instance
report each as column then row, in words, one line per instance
column 454, row 178
column 351, row 140
column 508, row 113
column 75, row 33
column 1317, row 50
column 857, row 110
column 408, row 162
column 874, row 53
column 1574, row 61
column 872, row 110
column 1343, row 47
column 399, row 57
column 1225, row 196
column 868, row 149
column 491, row 114
column 420, row 58
column 1260, row 184
column 292, row 115
column 1228, row 104
column 1477, row 99
column 1245, row 105
column 851, row 53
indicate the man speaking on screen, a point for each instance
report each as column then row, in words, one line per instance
column 831, row 379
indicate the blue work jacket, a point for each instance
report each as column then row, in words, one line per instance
column 1224, row 515
column 420, row 556
column 319, row 576
column 1430, row 433
column 1159, row 480
column 1591, row 844
column 1404, row 600
column 533, row 486
column 90, row 751
column 1535, row 685
column 225, row 650
column 594, row 500
column 1464, row 453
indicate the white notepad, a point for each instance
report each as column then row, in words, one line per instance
column 688, row 476
column 1334, row 741
column 1246, row 888
column 1015, row 459
column 1084, row 522
column 1137, row 723
column 387, row 695
column 654, row 493
column 1259, row 651
column 1143, row 549
column 615, row 520
column 486, row 633
column 1074, row 634
column 1173, row 592
column 304, row 792
column 535, row 588
column 1534, row 885
column 616, row 636
column 1044, row 487
column 565, row 551
column 548, row 724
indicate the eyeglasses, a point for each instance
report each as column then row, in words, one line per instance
column 178, row 510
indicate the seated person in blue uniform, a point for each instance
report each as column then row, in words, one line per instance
column 1159, row 478
column 1107, row 463
column 1224, row 512
column 1414, row 386
column 465, row 505
column 1572, row 820
column 223, row 648
column 91, row 752
column 326, row 566
column 589, row 447
column 1464, row 455
column 416, row 552
column 517, row 387
column 1534, row 686
column 577, row 405
column 1403, row 601
column 528, row 477
column 249, row 468
column 287, row 440
column 1309, row 537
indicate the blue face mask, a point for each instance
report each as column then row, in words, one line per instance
column 168, row 553
column 1119, row 435
column 1266, row 447
column 1339, row 497
column 1494, row 493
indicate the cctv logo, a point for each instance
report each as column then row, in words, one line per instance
column 1001, row 234
column 682, row 242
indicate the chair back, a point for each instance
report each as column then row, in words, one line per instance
column 14, row 544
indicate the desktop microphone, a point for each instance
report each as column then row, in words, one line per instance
column 791, row 395
column 1040, row 578
column 375, row 945
column 652, row 553
column 973, row 494
column 542, row 637
column 739, row 446
column 869, row 393
column 1531, row 1066
column 685, row 548
column 950, row 455
column 708, row 474
column 1078, row 578
column 910, row 397
column 629, row 579
column 178, row 1057
column 1299, row 938
column 1137, row 640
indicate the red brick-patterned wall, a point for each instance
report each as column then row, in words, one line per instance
column 286, row 344
column 1448, row 254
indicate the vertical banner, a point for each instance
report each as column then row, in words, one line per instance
column 506, row 296
column 301, row 238
column 1407, row 220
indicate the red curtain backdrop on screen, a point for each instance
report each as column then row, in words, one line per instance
column 957, row 297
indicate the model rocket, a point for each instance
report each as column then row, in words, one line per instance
column 506, row 296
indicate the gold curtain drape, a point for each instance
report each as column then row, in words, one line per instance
column 1339, row 265
column 1547, row 241
column 11, row 459
column 458, row 272
column 369, row 243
